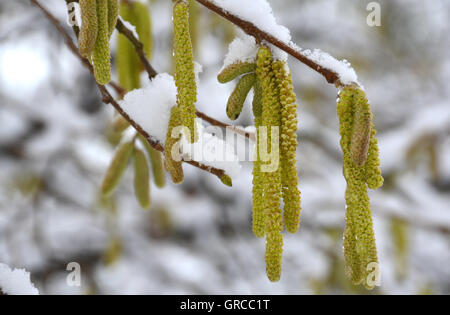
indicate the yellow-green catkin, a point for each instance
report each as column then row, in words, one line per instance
column 259, row 217
column 374, row 178
column 89, row 27
column 288, row 145
column 271, row 179
column 174, row 168
column 184, row 66
column 141, row 179
column 143, row 24
column 101, row 56
column 113, row 15
column 361, row 129
column 159, row 177
column 359, row 239
column 117, row 168
column 127, row 62
column 234, row 70
column 240, row 92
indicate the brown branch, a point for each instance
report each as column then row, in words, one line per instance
column 107, row 97
column 260, row 35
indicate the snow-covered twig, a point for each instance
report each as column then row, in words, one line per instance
column 331, row 74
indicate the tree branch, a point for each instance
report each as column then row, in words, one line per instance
column 260, row 35
column 107, row 98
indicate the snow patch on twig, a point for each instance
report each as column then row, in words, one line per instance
column 16, row 281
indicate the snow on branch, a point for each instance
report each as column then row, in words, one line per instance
column 256, row 19
column 16, row 282
column 150, row 108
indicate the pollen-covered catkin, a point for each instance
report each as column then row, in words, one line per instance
column 234, row 70
column 113, row 15
column 174, row 168
column 159, row 177
column 288, row 144
column 361, row 129
column 359, row 239
column 141, row 178
column 374, row 178
column 240, row 92
column 184, row 66
column 271, row 179
column 117, row 168
column 258, row 215
column 89, row 27
column 101, row 56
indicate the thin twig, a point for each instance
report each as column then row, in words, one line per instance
column 260, row 35
column 108, row 99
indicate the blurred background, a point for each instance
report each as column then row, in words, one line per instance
column 56, row 144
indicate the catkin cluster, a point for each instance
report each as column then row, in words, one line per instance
column 131, row 150
column 99, row 18
column 275, row 113
column 361, row 169
column 184, row 67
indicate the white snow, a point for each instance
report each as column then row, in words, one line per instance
column 130, row 26
column 212, row 151
column 243, row 48
column 346, row 73
column 16, row 281
column 150, row 108
column 257, row 12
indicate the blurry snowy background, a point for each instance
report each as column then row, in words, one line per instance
column 196, row 239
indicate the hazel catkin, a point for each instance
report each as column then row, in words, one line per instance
column 141, row 179
column 89, row 27
column 237, row 98
column 184, row 67
column 359, row 239
column 101, row 56
column 174, row 167
column 234, row 70
column 271, row 179
column 288, row 144
column 117, row 168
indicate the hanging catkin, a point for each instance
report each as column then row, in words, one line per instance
column 184, row 67
column 361, row 129
column 117, row 168
column 288, row 145
column 234, row 70
column 101, row 55
column 127, row 61
column 159, row 177
column 143, row 23
column 237, row 98
column 141, row 178
column 89, row 27
column 113, row 15
column 359, row 240
column 259, row 217
column 271, row 179
column 174, row 167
